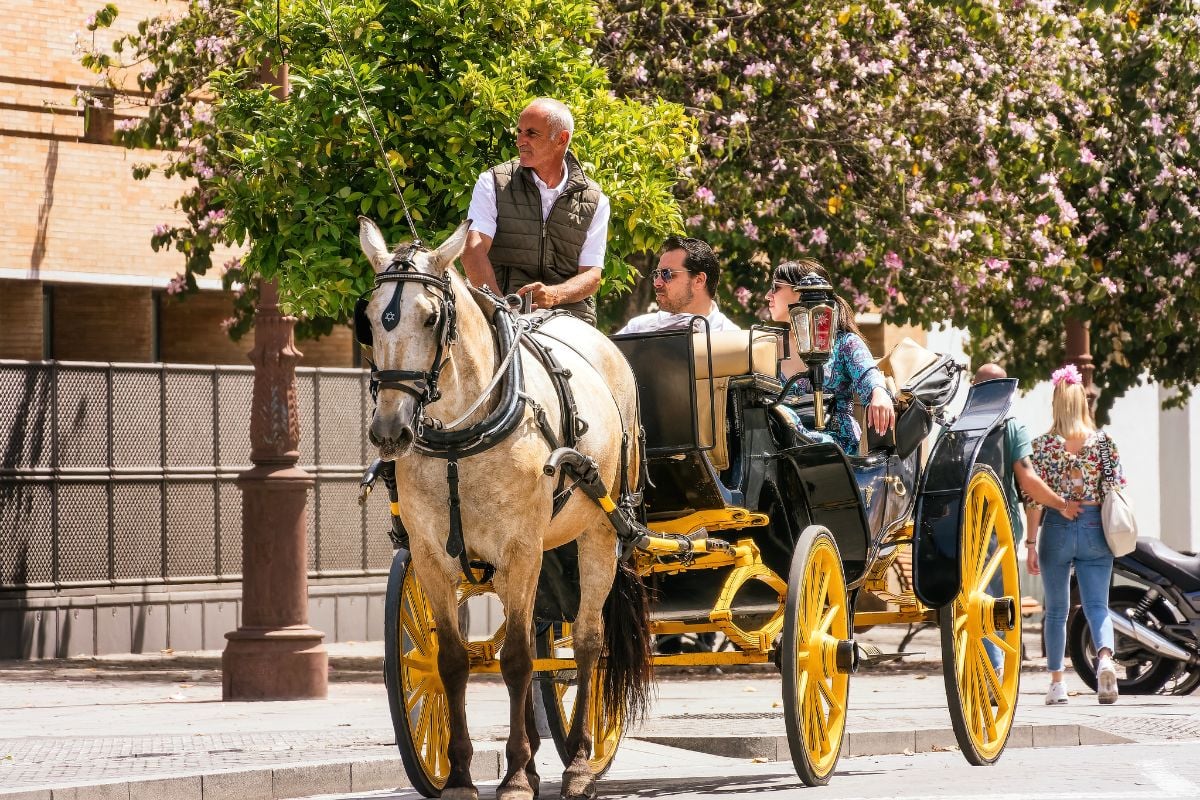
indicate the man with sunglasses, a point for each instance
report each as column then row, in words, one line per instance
column 684, row 285
column 539, row 225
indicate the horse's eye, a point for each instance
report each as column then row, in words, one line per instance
column 433, row 318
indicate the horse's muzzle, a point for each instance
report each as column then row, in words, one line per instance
column 393, row 439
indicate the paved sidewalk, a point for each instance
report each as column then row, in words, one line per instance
column 152, row 727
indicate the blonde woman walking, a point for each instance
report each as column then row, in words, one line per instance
column 1070, row 458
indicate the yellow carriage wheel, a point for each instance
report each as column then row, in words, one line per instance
column 817, row 656
column 558, row 690
column 983, row 700
column 420, row 711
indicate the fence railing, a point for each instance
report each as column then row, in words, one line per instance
column 127, row 473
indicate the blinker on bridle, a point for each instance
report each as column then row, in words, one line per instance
column 402, row 270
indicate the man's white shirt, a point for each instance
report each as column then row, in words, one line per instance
column 482, row 214
column 666, row 321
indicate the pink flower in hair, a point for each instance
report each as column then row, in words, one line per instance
column 1068, row 374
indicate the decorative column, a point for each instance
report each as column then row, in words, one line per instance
column 274, row 654
column 1079, row 353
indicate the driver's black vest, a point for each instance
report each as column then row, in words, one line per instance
column 525, row 249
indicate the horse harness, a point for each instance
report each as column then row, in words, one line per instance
column 432, row 437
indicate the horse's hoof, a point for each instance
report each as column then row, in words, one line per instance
column 460, row 793
column 514, row 793
column 578, row 787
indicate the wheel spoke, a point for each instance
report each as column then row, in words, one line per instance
column 993, row 564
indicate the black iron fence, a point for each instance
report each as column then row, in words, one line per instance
column 117, row 474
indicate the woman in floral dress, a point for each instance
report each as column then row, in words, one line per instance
column 1070, row 459
column 851, row 372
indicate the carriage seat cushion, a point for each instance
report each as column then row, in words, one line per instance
column 734, row 353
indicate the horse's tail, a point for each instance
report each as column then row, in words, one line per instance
column 627, row 676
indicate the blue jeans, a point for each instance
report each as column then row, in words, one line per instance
column 1080, row 543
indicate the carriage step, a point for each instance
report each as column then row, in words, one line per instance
column 870, row 654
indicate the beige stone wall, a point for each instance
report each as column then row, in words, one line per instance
column 21, row 320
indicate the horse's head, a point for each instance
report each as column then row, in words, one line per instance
column 410, row 318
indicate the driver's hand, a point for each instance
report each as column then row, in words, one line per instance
column 543, row 296
column 881, row 413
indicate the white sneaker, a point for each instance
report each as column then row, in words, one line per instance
column 1056, row 695
column 1106, row 681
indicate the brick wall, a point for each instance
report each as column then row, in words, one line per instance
column 190, row 333
column 21, row 320
column 102, row 323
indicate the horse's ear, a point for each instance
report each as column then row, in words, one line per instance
column 373, row 245
column 453, row 246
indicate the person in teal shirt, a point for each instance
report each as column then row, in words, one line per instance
column 1022, row 483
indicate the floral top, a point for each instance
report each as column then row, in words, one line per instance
column 850, row 373
column 1076, row 477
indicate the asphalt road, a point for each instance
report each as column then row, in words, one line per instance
column 1100, row 772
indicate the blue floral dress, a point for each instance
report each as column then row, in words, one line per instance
column 850, row 373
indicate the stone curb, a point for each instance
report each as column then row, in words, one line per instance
column 267, row 783
column 879, row 743
column 364, row 775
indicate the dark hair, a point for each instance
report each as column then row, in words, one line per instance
column 700, row 259
column 791, row 272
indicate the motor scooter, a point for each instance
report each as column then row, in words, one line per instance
column 1155, row 611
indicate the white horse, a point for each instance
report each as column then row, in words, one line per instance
column 434, row 357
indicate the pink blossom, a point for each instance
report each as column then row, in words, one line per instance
column 750, row 230
column 742, row 295
column 706, row 196
column 177, row 284
column 162, row 230
column 818, row 236
column 1108, row 285
column 228, row 323
column 892, row 261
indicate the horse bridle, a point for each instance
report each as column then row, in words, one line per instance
column 422, row 385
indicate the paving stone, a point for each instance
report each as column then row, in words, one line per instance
column 379, row 773
column 1096, row 736
column 310, row 779
column 243, row 785
column 1056, row 735
column 931, row 740
column 1021, row 736
column 103, row 791
column 185, row 788
column 32, row 794
column 878, row 743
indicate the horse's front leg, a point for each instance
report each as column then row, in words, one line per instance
column 578, row 781
column 453, row 668
column 521, row 780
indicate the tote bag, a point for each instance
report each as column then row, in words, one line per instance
column 1120, row 527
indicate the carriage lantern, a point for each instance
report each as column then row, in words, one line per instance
column 815, row 324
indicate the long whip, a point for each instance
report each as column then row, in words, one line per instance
column 370, row 121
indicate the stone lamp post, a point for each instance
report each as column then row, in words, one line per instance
column 274, row 654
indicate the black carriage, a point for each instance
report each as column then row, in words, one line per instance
column 771, row 538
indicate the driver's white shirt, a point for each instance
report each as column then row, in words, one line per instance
column 666, row 321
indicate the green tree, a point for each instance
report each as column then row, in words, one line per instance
column 444, row 81
column 947, row 161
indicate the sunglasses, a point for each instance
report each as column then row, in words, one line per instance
column 777, row 286
column 667, row 273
